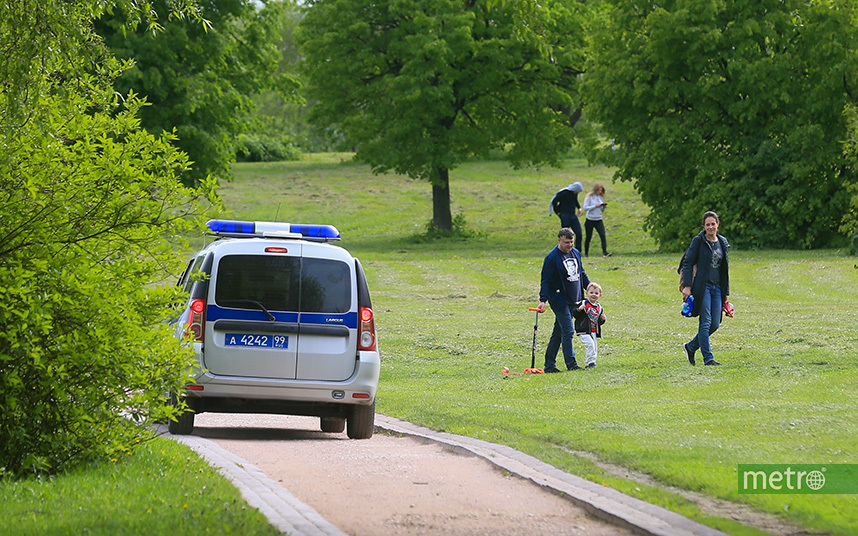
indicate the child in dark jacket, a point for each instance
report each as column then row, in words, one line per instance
column 589, row 317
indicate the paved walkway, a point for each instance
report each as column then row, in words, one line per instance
column 293, row 517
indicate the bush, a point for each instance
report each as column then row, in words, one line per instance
column 92, row 208
column 261, row 148
column 460, row 231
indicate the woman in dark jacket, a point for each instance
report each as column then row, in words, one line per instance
column 706, row 276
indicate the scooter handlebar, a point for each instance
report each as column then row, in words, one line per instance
column 534, row 309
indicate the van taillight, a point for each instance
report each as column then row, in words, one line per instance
column 367, row 330
column 197, row 319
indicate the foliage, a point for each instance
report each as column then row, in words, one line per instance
column 265, row 148
column 200, row 79
column 35, row 31
column 850, row 219
column 289, row 118
column 91, row 205
column 419, row 86
column 730, row 106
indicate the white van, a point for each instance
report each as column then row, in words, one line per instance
column 282, row 323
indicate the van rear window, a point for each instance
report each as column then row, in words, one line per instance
column 325, row 286
column 284, row 283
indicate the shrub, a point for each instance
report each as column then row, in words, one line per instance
column 460, row 231
column 92, row 207
column 262, row 148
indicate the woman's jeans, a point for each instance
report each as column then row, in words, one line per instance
column 599, row 225
column 561, row 336
column 710, row 320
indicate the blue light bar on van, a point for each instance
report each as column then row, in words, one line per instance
column 231, row 226
column 249, row 229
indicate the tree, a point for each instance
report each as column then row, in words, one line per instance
column 200, row 79
column 90, row 213
column 290, row 116
column 731, row 106
column 418, row 86
column 850, row 219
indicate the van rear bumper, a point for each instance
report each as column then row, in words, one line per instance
column 240, row 394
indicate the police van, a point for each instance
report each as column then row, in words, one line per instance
column 281, row 321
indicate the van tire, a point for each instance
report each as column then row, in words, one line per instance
column 361, row 422
column 334, row 425
column 184, row 423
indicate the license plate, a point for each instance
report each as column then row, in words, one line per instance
column 257, row 341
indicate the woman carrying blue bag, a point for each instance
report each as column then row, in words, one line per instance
column 706, row 276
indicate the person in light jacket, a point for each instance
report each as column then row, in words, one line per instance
column 706, row 276
column 594, row 206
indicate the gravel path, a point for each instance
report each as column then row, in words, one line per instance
column 409, row 480
column 390, row 485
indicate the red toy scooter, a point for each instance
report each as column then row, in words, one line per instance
column 532, row 369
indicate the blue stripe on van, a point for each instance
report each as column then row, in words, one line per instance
column 213, row 312
column 349, row 320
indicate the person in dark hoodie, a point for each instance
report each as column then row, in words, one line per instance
column 565, row 205
column 562, row 287
column 706, row 276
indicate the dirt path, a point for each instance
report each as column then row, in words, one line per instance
column 391, row 486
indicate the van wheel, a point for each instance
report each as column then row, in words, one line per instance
column 361, row 422
column 333, row 425
column 184, row 423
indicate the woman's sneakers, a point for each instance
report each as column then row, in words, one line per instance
column 689, row 354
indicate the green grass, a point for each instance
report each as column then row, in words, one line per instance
column 163, row 488
column 451, row 314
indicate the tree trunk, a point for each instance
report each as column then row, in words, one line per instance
column 442, row 217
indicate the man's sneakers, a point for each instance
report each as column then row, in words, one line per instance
column 713, row 362
column 689, row 354
column 550, row 370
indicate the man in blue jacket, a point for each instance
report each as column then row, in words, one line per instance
column 563, row 284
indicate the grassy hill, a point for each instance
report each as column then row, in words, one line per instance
column 451, row 314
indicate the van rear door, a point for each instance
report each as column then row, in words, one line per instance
column 327, row 347
column 252, row 314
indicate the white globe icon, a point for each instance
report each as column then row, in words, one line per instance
column 815, row 480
